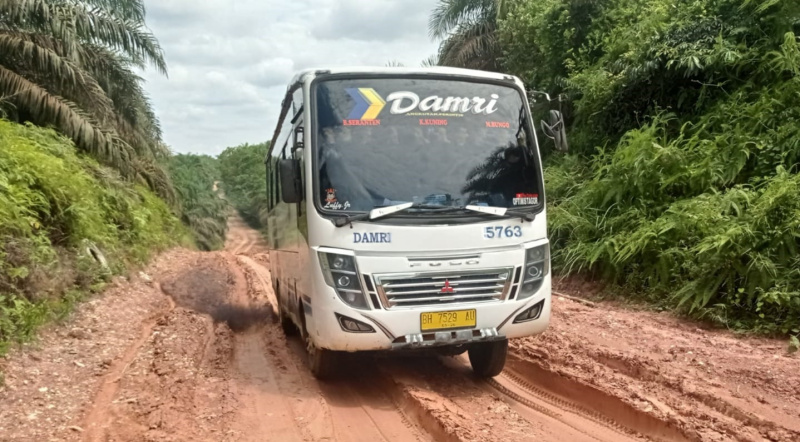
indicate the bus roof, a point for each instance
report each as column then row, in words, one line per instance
column 310, row 73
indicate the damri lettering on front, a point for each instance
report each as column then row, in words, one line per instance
column 371, row 237
column 405, row 101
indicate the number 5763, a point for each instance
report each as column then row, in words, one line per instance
column 502, row 232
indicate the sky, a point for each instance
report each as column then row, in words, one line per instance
column 229, row 61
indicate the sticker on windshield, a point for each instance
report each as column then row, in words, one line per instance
column 368, row 105
column 330, row 195
column 331, row 203
column 526, row 199
column 432, row 122
column 500, row 124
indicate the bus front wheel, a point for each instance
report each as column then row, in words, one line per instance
column 323, row 363
column 488, row 358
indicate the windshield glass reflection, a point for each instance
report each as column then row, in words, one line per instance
column 375, row 150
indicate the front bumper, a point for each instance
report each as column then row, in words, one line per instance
column 398, row 329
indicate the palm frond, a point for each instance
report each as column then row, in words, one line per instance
column 155, row 176
column 136, row 121
column 433, row 60
column 36, row 56
column 67, row 118
column 449, row 14
column 127, row 36
column 75, row 23
column 70, row 64
column 125, row 9
column 474, row 45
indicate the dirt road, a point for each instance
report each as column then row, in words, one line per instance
column 190, row 350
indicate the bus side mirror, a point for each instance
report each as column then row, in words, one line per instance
column 291, row 190
column 555, row 130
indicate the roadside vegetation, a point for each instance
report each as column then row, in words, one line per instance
column 202, row 208
column 244, row 178
column 85, row 185
column 58, row 210
column 70, row 64
column 682, row 180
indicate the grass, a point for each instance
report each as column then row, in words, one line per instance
column 55, row 204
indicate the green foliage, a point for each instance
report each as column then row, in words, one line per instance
column 71, row 64
column 621, row 60
column 467, row 29
column 55, row 204
column 244, row 178
column 202, row 209
column 696, row 216
column 794, row 345
column 683, row 118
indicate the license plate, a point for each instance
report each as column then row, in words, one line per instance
column 445, row 320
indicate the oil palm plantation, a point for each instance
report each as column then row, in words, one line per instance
column 466, row 29
column 70, row 64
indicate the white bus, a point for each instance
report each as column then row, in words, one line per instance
column 406, row 210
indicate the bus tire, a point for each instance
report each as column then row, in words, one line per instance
column 488, row 358
column 323, row 363
column 288, row 327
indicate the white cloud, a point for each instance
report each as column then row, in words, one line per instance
column 230, row 60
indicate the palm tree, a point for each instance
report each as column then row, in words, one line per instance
column 70, row 64
column 431, row 61
column 467, row 30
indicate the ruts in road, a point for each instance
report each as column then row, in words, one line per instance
column 191, row 350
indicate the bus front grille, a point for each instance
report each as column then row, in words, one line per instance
column 408, row 290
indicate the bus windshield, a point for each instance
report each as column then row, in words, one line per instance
column 387, row 141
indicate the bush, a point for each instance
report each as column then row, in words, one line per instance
column 244, row 180
column 686, row 218
column 56, row 206
column 686, row 148
column 202, row 209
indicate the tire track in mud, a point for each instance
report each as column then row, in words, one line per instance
column 210, row 362
column 575, row 397
column 264, row 279
column 97, row 420
column 477, row 411
column 566, row 413
column 445, row 413
column 255, row 384
column 262, row 408
column 341, row 410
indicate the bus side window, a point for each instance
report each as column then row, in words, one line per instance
column 272, row 198
column 298, row 153
column 269, row 186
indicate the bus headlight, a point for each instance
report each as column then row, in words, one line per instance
column 537, row 265
column 341, row 274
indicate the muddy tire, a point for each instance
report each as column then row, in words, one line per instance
column 324, row 364
column 288, row 327
column 488, row 358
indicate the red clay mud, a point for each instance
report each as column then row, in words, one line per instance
column 191, row 350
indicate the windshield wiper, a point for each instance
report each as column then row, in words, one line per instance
column 502, row 211
column 382, row 211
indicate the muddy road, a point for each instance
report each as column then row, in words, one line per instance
column 191, row 350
